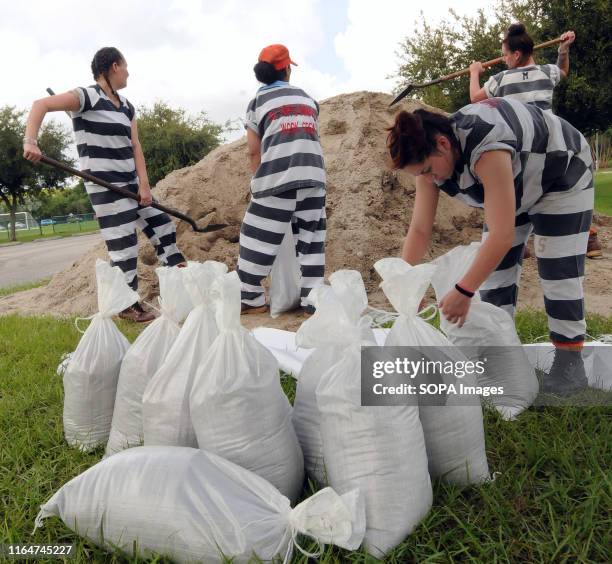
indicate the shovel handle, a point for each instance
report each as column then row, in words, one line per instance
column 129, row 194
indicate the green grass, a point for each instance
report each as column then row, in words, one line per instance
column 23, row 287
column 550, row 502
column 603, row 192
column 58, row 230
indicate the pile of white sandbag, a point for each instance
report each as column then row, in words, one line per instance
column 488, row 333
column 145, row 357
column 90, row 376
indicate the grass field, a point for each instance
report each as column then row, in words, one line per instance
column 22, row 287
column 603, row 192
column 550, row 502
column 57, row 230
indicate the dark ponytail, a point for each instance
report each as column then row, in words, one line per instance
column 517, row 39
column 412, row 138
column 103, row 61
column 266, row 73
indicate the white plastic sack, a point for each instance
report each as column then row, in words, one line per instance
column 193, row 506
column 290, row 357
column 596, row 355
column 349, row 289
column 145, row 357
column 454, row 433
column 166, row 417
column 238, row 408
column 378, row 450
column 488, row 332
column 285, row 278
column 90, row 378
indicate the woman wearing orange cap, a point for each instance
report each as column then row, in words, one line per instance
column 288, row 183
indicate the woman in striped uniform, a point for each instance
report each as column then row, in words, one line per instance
column 107, row 142
column 528, row 169
column 528, row 83
column 288, row 184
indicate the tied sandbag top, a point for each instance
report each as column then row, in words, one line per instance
column 403, row 284
column 114, row 294
column 199, row 279
column 174, row 300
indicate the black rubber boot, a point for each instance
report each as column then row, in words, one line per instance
column 567, row 374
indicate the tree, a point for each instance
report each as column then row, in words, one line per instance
column 73, row 199
column 21, row 180
column 171, row 139
column 584, row 98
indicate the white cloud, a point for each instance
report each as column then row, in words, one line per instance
column 198, row 54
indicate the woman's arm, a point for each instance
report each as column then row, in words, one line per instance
column 477, row 94
column 418, row 237
column 494, row 169
column 563, row 53
column 144, row 189
column 254, row 146
column 67, row 102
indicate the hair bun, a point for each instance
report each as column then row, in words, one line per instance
column 516, row 29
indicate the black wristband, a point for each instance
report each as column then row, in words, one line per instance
column 464, row 291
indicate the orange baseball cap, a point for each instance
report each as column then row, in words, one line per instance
column 277, row 55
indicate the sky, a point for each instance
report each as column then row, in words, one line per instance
column 199, row 54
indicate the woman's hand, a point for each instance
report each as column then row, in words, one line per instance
column 455, row 306
column 146, row 198
column 567, row 39
column 31, row 152
column 476, row 68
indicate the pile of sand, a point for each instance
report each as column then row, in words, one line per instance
column 368, row 208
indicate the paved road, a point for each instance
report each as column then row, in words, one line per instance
column 29, row 262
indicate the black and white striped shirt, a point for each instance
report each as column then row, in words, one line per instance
column 531, row 85
column 548, row 154
column 286, row 120
column 104, row 137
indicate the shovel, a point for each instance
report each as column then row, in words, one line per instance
column 412, row 86
column 128, row 193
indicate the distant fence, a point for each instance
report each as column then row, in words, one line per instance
column 68, row 223
column 28, row 228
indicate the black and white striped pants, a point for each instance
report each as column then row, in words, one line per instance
column 119, row 217
column 262, row 231
column 560, row 222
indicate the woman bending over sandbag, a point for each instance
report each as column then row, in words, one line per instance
column 105, row 129
column 528, row 169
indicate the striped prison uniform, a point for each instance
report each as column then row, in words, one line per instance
column 288, row 186
column 104, row 142
column 553, row 183
column 533, row 84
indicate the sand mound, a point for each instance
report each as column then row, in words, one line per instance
column 368, row 207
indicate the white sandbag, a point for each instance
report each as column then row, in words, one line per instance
column 282, row 345
column 286, row 277
column 349, row 289
column 194, row 506
column 90, row 378
column 378, row 450
column 596, row 355
column 166, row 417
column 488, row 333
column 145, row 357
column 238, row 408
column 454, row 433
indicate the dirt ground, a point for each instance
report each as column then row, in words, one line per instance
column 368, row 207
